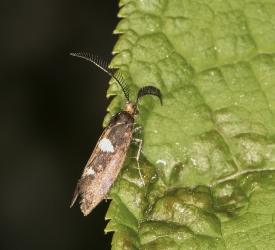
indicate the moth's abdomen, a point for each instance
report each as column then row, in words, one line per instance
column 105, row 162
column 93, row 190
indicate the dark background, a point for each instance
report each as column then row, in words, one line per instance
column 51, row 114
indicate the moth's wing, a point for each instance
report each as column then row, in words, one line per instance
column 79, row 187
column 105, row 162
column 81, row 183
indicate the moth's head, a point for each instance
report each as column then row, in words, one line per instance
column 131, row 108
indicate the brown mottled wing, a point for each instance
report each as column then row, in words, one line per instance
column 104, row 165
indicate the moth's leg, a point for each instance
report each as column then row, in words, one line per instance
column 139, row 141
column 139, row 128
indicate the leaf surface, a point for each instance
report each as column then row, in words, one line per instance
column 209, row 151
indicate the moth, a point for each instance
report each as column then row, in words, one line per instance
column 110, row 151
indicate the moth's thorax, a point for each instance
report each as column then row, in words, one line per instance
column 131, row 108
column 122, row 117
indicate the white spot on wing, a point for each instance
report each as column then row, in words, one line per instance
column 105, row 145
column 89, row 171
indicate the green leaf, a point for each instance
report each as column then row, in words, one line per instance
column 209, row 151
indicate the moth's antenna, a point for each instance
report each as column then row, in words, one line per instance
column 104, row 66
column 149, row 90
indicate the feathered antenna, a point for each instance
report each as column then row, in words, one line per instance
column 104, row 66
column 149, row 90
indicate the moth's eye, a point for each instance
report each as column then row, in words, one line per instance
column 136, row 111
